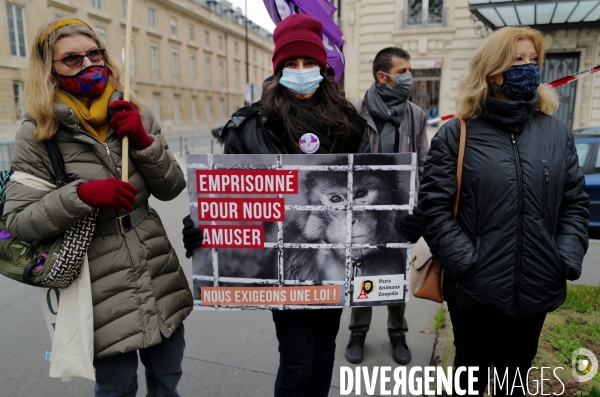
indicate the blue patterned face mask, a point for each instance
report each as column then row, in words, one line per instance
column 521, row 81
column 301, row 81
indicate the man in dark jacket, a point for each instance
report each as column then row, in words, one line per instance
column 395, row 125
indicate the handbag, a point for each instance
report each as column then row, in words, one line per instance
column 72, row 355
column 55, row 261
column 426, row 273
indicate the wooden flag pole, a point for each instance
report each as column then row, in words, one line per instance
column 127, row 83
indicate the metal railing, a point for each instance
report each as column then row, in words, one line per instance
column 179, row 143
column 431, row 17
column 182, row 143
column 5, row 155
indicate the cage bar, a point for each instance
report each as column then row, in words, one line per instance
column 215, row 254
column 267, row 167
column 349, row 267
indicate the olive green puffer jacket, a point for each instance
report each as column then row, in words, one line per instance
column 138, row 288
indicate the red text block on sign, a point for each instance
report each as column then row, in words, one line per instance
column 241, row 209
column 216, row 236
column 247, row 181
column 261, row 296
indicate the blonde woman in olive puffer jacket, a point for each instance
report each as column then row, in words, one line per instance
column 139, row 292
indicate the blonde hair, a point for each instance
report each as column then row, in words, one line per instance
column 41, row 85
column 495, row 56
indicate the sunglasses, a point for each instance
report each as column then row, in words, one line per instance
column 76, row 60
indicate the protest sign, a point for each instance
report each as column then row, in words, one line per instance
column 281, row 231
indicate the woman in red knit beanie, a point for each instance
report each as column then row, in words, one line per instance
column 300, row 98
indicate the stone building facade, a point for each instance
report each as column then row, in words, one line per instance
column 442, row 35
column 188, row 57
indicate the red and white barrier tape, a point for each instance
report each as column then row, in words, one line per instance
column 438, row 119
column 573, row 77
column 553, row 84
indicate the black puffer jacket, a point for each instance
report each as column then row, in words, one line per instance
column 521, row 229
column 250, row 132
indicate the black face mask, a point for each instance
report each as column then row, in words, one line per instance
column 521, row 81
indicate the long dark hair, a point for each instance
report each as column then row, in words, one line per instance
column 327, row 106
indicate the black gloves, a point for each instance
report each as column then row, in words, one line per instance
column 413, row 225
column 192, row 236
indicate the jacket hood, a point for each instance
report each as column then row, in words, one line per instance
column 512, row 115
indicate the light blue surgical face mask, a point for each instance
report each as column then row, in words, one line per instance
column 303, row 81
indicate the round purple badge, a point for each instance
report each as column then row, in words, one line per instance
column 309, row 143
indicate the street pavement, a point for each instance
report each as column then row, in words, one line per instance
column 228, row 354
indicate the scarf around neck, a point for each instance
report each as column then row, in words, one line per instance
column 327, row 143
column 95, row 119
column 386, row 106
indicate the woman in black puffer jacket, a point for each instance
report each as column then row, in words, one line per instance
column 521, row 228
column 301, row 98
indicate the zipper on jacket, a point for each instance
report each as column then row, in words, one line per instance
column 545, row 198
column 103, row 144
column 520, row 225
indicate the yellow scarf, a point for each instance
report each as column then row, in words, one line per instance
column 95, row 119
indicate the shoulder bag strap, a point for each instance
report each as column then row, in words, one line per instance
column 459, row 166
column 58, row 163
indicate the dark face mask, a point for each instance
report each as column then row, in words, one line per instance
column 521, row 81
column 89, row 82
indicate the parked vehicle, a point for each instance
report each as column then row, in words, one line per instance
column 588, row 130
column 588, row 151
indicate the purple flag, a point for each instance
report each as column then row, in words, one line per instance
column 321, row 10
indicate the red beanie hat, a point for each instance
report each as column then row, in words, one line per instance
column 298, row 35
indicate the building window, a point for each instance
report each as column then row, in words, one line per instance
column 101, row 32
column 18, row 94
column 193, row 108
column 175, row 64
column 156, row 106
column 97, row 4
column 235, row 48
column 237, row 75
column 192, row 68
column 176, row 113
column 424, row 12
column 223, row 110
column 131, row 57
column 221, row 73
column 209, row 108
column 124, row 4
column 220, row 43
column 207, row 38
column 426, row 89
column 254, row 55
column 207, row 71
column 152, row 18
column 154, row 60
column 16, row 30
column 173, row 23
column 192, row 32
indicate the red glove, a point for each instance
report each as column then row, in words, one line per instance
column 127, row 121
column 108, row 193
